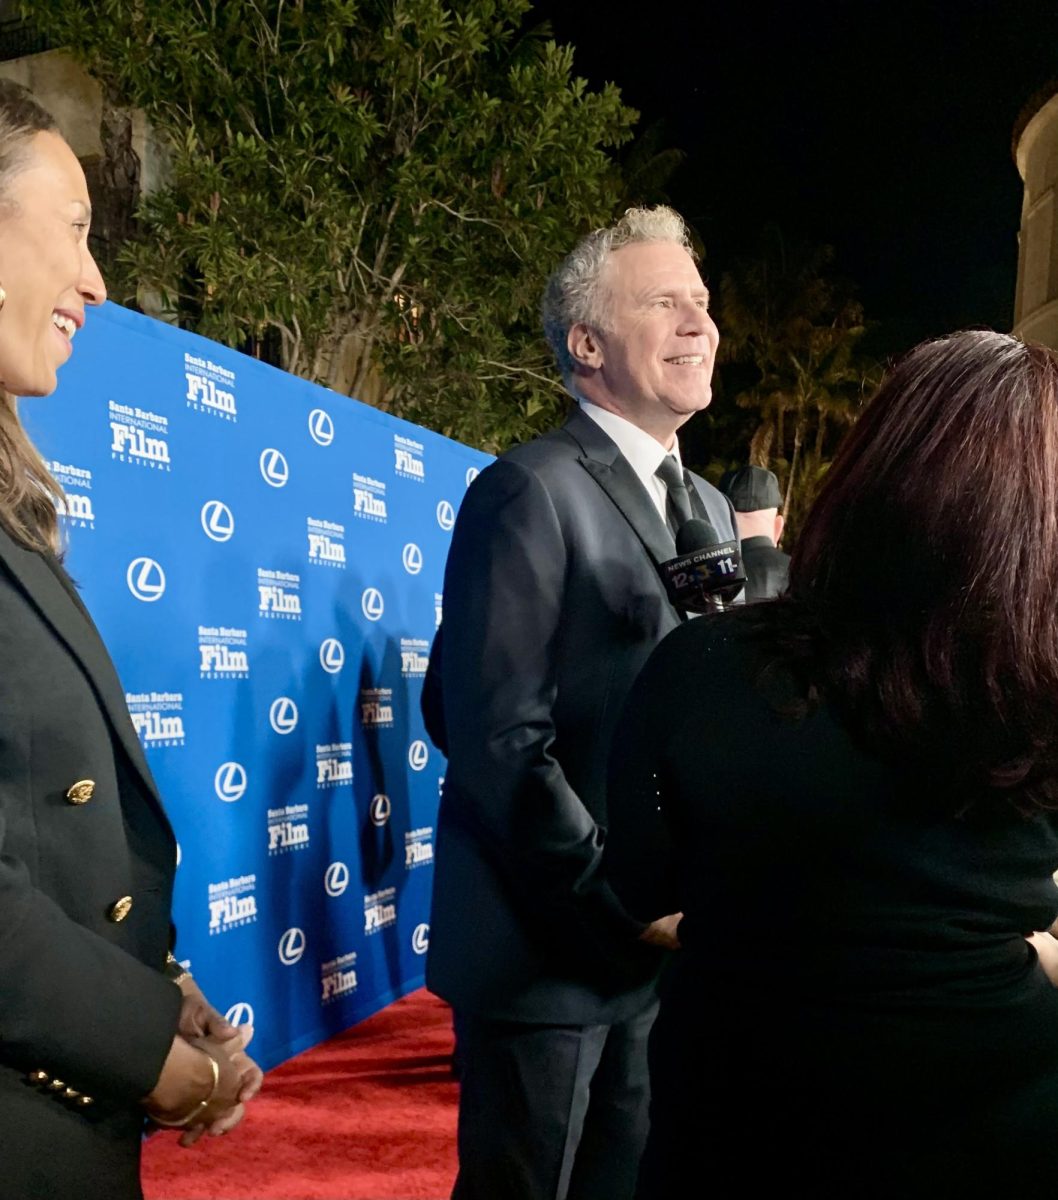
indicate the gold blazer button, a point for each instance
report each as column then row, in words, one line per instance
column 39, row 1078
column 81, row 792
column 84, row 1101
column 120, row 909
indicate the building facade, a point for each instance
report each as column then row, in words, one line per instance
column 1036, row 154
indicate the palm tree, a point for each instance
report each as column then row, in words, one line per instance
column 795, row 331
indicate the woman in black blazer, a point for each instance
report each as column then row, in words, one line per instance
column 98, row 1032
column 858, row 791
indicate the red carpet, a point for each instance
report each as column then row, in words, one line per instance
column 368, row 1115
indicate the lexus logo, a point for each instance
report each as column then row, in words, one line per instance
column 217, row 521
column 240, row 1014
column 291, row 946
column 412, row 559
column 321, row 427
column 380, row 810
column 283, row 714
column 230, row 782
column 332, row 656
column 146, row 579
column 420, row 939
column 371, row 603
column 418, row 756
column 274, row 468
column 446, row 516
column 472, row 474
column 336, row 880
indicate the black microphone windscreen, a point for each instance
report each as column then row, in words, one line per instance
column 695, row 534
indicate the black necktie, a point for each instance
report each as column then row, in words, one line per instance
column 680, row 511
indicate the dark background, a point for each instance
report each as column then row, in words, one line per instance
column 883, row 129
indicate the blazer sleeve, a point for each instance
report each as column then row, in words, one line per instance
column 503, row 609
column 73, row 1004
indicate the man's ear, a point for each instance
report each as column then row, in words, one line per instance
column 780, row 521
column 583, row 346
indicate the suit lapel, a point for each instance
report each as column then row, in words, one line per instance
column 50, row 591
column 610, row 469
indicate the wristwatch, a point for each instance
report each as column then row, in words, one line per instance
column 174, row 969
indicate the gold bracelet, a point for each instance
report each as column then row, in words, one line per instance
column 174, row 970
column 202, row 1105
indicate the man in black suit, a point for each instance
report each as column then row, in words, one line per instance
column 754, row 494
column 553, row 602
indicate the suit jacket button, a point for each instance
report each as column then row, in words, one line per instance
column 40, row 1078
column 120, row 909
column 70, row 1094
column 56, row 1085
column 81, row 792
column 84, row 1101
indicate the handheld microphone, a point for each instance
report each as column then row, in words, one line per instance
column 707, row 573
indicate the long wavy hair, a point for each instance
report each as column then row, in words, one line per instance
column 924, row 585
column 28, row 493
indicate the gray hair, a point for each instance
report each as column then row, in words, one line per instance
column 574, row 293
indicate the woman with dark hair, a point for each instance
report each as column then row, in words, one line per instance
column 99, row 1028
column 852, row 794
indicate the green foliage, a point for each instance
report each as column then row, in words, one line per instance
column 790, row 345
column 378, row 187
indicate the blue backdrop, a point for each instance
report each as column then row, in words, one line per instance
column 264, row 559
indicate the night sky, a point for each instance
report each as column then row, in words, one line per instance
column 883, row 129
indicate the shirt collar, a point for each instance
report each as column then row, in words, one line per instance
column 644, row 453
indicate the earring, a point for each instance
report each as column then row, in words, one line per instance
column 3, row 296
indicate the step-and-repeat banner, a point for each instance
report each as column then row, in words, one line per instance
column 264, row 559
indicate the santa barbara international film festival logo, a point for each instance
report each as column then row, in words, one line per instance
column 414, row 657
column 156, row 717
column 407, row 458
column 217, row 521
column 337, row 977
column 334, row 764
column 326, row 542
column 138, row 437
column 411, row 557
column 418, row 847
column 376, row 708
column 232, row 903
column 380, row 910
column 222, row 652
column 210, row 388
column 369, row 499
column 278, row 595
column 321, row 427
column 145, row 579
column 75, row 505
column 288, row 828
column 380, row 810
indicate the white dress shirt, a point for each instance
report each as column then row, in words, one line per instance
column 644, row 453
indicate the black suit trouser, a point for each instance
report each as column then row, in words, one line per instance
column 551, row 1112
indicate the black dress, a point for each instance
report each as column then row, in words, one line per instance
column 855, row 1007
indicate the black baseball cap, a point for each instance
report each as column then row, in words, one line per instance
column 751, row 488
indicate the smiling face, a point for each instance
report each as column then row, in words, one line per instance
column 46, row 268
column 653, row 364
